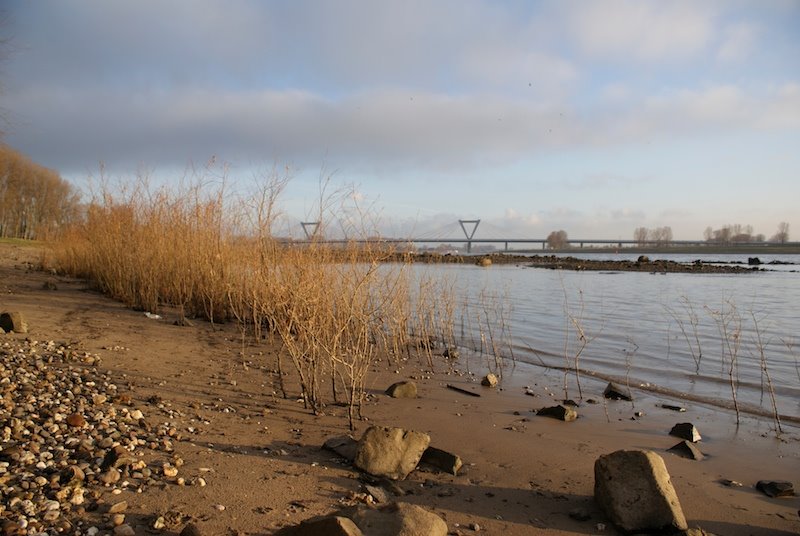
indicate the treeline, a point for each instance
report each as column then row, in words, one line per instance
column 738, row 234
column 34, row 201
column 659, row 236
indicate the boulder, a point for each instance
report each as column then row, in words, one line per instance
column 687, row 449
column 404, row 389
column 442, row 460
column 634, row 489
column 13, row 321
column 687, row 431
column 344, row 446
column 776, row 488
column 390, row 452
column 561, row 412
column 323, row 526
column 490, row 380
column 399, row 519
column 615, row 391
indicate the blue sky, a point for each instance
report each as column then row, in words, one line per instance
column 595, row 117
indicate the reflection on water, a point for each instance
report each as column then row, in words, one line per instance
column 677, row 331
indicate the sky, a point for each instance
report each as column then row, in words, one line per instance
column 595, row 117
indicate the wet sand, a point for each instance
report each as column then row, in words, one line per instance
column 260, row 453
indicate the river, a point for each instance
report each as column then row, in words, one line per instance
column 677, row 333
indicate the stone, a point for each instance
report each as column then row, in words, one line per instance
column 344, row 446
column 490, row 380
column 775, row 488
column 442, row 460
column 111, row 476
column 190, row 530
column 634, row 489
column 451, row 352
column 378, row 493
column 76, row 420
column 13, row 321
column 124, row 530
column 485, row 261
column 687, row 431
column 323, row 526
column 390, row 452
column 580, row 514
column 561, row 412
column 404, row 389
column 615, row 391
column 117, row 508
column 399, row 519
column 687, row 449
column 696, row 531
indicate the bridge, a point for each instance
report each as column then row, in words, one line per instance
column 310, row 230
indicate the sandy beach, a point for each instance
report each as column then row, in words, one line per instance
column 259, row 454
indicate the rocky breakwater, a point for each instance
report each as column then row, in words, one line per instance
column 71, row 443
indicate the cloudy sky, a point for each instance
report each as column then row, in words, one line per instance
column 595, row 117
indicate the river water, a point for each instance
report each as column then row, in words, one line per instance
column 692, row 335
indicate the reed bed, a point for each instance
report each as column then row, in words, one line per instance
column 335, row 310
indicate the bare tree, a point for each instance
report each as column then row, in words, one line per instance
column 640, row 236
column 557, row 239
column 782, row 236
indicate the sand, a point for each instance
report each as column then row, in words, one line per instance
column 260, row 453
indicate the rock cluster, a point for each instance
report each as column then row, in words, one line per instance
column 69, row 439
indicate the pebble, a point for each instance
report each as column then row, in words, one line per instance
column 66, row 432
column 124, row 530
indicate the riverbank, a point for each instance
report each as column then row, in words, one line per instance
column 258, row 454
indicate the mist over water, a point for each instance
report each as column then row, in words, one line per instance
column 643, row 326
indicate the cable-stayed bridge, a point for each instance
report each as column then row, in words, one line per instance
column 465, row 232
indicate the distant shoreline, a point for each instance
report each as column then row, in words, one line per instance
column 556, row 262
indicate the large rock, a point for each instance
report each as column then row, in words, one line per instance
column 405, row 389
column 399, row 519
column 634, row 489
column 323, row 526
column 390, row 452
column 13, row 321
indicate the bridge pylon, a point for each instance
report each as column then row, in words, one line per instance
column 469, row 234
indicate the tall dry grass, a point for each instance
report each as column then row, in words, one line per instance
column 335, row 310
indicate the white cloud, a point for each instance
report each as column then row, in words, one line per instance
column 644, row 30
column 738, row 41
